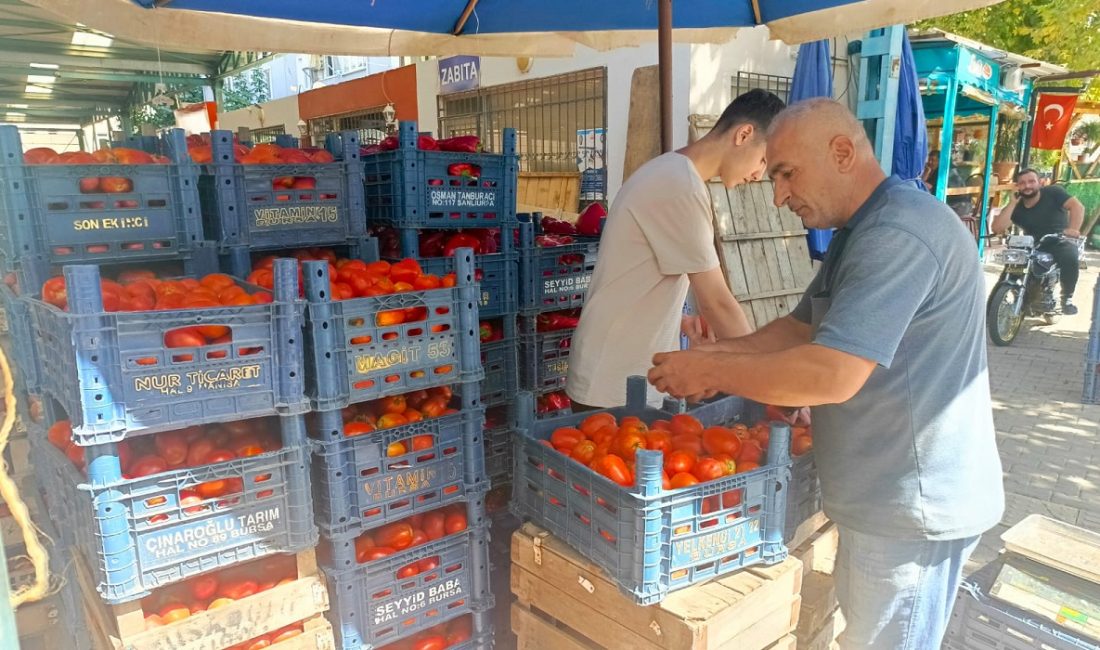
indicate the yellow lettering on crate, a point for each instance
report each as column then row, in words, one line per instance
column 223, row 378
column 391, row 486
column 368, row 363
column 111, row 223
column 297, row 215
column 166, row 384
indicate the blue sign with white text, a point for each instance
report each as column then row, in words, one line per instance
column 458, row 73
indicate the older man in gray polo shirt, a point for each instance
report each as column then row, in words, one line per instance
column 887, row 346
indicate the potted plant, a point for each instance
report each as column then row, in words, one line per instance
column 1088, row 134
column 1006, row 150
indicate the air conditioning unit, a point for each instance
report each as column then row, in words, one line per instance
column 1012, row 79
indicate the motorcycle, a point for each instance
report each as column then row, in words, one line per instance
column 1025, row 289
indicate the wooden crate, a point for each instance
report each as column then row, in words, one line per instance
column 549, row 192
column 122, row 627
column 762, row 248
column 825, row 637
column 818, row 552
column 565, row 602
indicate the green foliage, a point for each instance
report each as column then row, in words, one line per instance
column 240, row 91
column 1064, row 32
column 1007, row 146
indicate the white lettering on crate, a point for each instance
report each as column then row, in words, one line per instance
column 575, row 283
column 209, row 534
column 407, row 605
column 462, row 198
column 717, row 544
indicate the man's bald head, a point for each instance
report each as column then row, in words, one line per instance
column 821, row 162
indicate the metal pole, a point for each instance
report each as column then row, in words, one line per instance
column 664, row 69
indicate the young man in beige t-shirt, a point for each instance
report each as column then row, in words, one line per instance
column 658, row 241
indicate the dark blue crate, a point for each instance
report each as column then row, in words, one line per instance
column 114, row 377
column 412, row 188
column 19, row 332
column 804, row 494
column 652, row 541
column 136, row 536
column 543, row 356
column 43, row 211
column 500, row 422
column 500, row 360
column 357, row 487
column 371, row 607
column 980, row 622
column 557, row 277
column 351, row 359
column 242, row 211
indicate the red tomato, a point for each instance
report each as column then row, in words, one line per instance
column 435, row 642
column 658, row 440
column 565, row 439
column 172, row 447
column 801, row 444
column 434, row 525
column 198, row 451
column 408, row 571
column 679, row 462
column 148, row 465
column 747, row 466
column 60, row 434
column 627, row 444
column 398, row 535
column 720, row 440
column 584, row 452
column 184, row 337
column 238, row 589
column 708, row 469
column 455, row 521
column 204, row 587
column 683, row 479
column 613, row 468
column 683, row 424
column 374, row 553
column 750, row 451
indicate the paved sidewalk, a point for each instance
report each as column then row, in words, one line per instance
column 1047, row 438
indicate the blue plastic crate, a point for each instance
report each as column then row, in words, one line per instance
column 243, row 212
column 113, row 375
column 44, row 212
column 357, row 487
column 19, row 332
column 649, row 540
column 804, row 494
column 557, row 277
column 350, row 358
column 409, row 187
column 500, row 422
column 543, row 356
column 370, row 607
column 980, row 622
column 136, row 536
column 500, row 360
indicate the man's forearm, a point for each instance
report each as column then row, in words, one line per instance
column 726, row 319
column 1004, row 218
column 780, row 334
column 805, row 375
column 1076, row 211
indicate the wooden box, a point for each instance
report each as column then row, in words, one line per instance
column 1051, row 594
column 564, row 602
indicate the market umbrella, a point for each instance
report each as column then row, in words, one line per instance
column 910, row 132
column 813, row 77
column 485, row 27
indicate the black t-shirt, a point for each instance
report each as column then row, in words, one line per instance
column 1046, row 216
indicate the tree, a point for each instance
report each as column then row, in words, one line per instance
column 1063, row 32
column 239, row 91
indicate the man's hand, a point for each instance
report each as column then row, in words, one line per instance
column 1072, row 232
column 681, row 375
column 696, row 330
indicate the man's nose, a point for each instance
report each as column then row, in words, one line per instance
column 781, row 194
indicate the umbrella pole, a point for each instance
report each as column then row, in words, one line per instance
column 664, row 69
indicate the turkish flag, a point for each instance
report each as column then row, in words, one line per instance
column 1053, row 115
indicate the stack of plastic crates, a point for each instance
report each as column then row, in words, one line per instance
column 1091, row 393
column 398, row 463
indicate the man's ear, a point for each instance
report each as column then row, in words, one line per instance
column 843, row 152
column 743, row 133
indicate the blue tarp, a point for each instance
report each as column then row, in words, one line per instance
column 813, row 77
column 910, row 131
column 508, row 16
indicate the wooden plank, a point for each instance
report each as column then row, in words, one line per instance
column 534, row 632
column 789, row 642
column 819, row 552
column 818, row 602
column 825, row 637
column 643, row 135
column 1056, row 544
column 775, row 234
column 807, row 529
column 316, row 635
column 124, row 625
column 556, row 579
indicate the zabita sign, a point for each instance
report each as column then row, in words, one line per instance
column 458, row 73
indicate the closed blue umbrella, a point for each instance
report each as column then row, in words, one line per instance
column 813, row 77
column 910, row 132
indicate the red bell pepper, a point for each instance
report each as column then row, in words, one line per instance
column 461, row 144
column 489, row 238
column 389, row 143
column 551, row 241
column 552, row 226
column 427, row 143
column 431, row 243
column 461, row 240
column 464, row 170
column 592, row 220
column 556, row 321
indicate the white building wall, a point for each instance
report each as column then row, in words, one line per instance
column 427, row 90
column 715, row 66
column 274, row 113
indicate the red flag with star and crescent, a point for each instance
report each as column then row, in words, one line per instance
column 1053, row 115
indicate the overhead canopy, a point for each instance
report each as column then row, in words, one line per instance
column 492, row 27
column 53, row 70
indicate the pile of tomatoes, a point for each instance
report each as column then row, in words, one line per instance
column 410, row 532
column 218, row 589
column 693, row 453
column 201, row 152
column 97, row 184
column 191, row 447
column 142, row 290
column 438, row 637
column 399, row 410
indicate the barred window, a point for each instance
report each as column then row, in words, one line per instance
column 746, row 81
column 370, row 123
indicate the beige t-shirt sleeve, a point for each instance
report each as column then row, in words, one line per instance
column 680, row 231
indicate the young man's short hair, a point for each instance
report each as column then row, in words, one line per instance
column 1028, row 170
column 756, row 107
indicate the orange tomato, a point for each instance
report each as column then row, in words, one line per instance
column 388, row 318
column 596, row 421
column 801, row 444
column 627, row 443
column 708, row 469
column 173, row 612
column 682, row 480
column 613, row 468
column 390, row 420
column 683, row 424
column 396, row 449
column 422, row 442
column 679, row 462
column 357, row 428
column 395, row 404
column 217, row 281
column 565, row 439
column 689, row 443
column 584, row 452
column 661, row 425
column 750, row 451
column 658, row 440
column 720, row 440
column 729, row 465
column 747, row 466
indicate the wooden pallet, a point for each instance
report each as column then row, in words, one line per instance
column 122, row 627
column 818, row 552
column 763, row 250
column 564, row 602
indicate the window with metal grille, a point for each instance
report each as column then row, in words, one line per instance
column 370, row 123
column 267, row 134
column 546, row 113
column 778, row 84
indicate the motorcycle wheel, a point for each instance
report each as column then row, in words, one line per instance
column 1002, row 324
